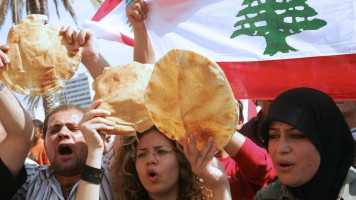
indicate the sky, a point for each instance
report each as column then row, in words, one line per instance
column 114, row 52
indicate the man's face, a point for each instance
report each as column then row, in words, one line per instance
column 107, row 143
column 347, row 108
column 65, row 144
column 2, row 133
column 265, row 106
column 37, row 134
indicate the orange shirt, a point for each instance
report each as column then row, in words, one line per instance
column 38, row 153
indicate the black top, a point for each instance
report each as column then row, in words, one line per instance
column 8, row 183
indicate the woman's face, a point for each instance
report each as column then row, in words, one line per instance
column 157, row 164
column 294, row 156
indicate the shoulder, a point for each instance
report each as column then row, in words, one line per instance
column 272, row 191
column 37, row 173
column 275, row 191
column 31, row 162
column 348, row 190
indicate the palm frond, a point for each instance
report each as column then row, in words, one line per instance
column 20, row 8
column 44, row 7
column 32, row 101
column 56, row 4
column 96, row 3
column 33, row 7
column 3, row 11
column 15, row 12
column 69, row 8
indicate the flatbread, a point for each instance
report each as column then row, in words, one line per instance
column 122, row 89
column 42, row 61
column 188, row 93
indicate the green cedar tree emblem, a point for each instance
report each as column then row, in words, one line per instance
column 275, row 29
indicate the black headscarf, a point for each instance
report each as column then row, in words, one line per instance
column 316, row 115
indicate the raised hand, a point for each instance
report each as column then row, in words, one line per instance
column 207, row 167
column 4, row 59
column 203, row 163
column 82, row 38
column 136, row 13
column 91, row 58
column 93, row 124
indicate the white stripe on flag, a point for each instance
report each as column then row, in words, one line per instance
column 114, row 26
column 205, row 26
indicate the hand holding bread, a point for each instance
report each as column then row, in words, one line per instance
column 42, row 60
column 4, row 59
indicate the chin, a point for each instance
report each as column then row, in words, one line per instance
column 67, row 169
column 291, row 183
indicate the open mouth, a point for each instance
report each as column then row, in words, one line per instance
column 64, row 150
column 285, row 165
column 152, row 175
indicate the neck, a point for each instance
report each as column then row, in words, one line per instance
column 67, row 181
column 154, row 197
column 170, row 195
column 67, row 184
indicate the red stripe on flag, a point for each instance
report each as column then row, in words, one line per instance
column 335, row 75
column 127, row 40
column 105, row 9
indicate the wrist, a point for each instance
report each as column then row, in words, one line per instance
column 94, row 157
column 2, row 85
column 90, row 58
column 92, row 174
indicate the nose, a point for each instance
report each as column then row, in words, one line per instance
column 284, row 145
column 63, row 133
column 151, row 159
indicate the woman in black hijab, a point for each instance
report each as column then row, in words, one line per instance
column 311, row 147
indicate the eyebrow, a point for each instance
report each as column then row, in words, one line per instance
column 59, row 124
column 156, row 147
column 289, row 129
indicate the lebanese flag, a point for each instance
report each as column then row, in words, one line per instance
column 110, row 23
column 264, row 47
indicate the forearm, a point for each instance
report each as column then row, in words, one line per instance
column 95, row 64
column 143, row 51
column 255, row 164
column 19, row 131
column 222, row 192
column 87, row 190
column 235, row 144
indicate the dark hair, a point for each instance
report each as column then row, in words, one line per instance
column 127, row 185
column 38, row 123
column 240, row 109
column 60, row 108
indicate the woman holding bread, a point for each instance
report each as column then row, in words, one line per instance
column 151, row 166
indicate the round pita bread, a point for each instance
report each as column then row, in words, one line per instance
column 122, row 89
column 188, row 93
column 42, row 61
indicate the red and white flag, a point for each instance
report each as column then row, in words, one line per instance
column 264, row 47
column 110, row 22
